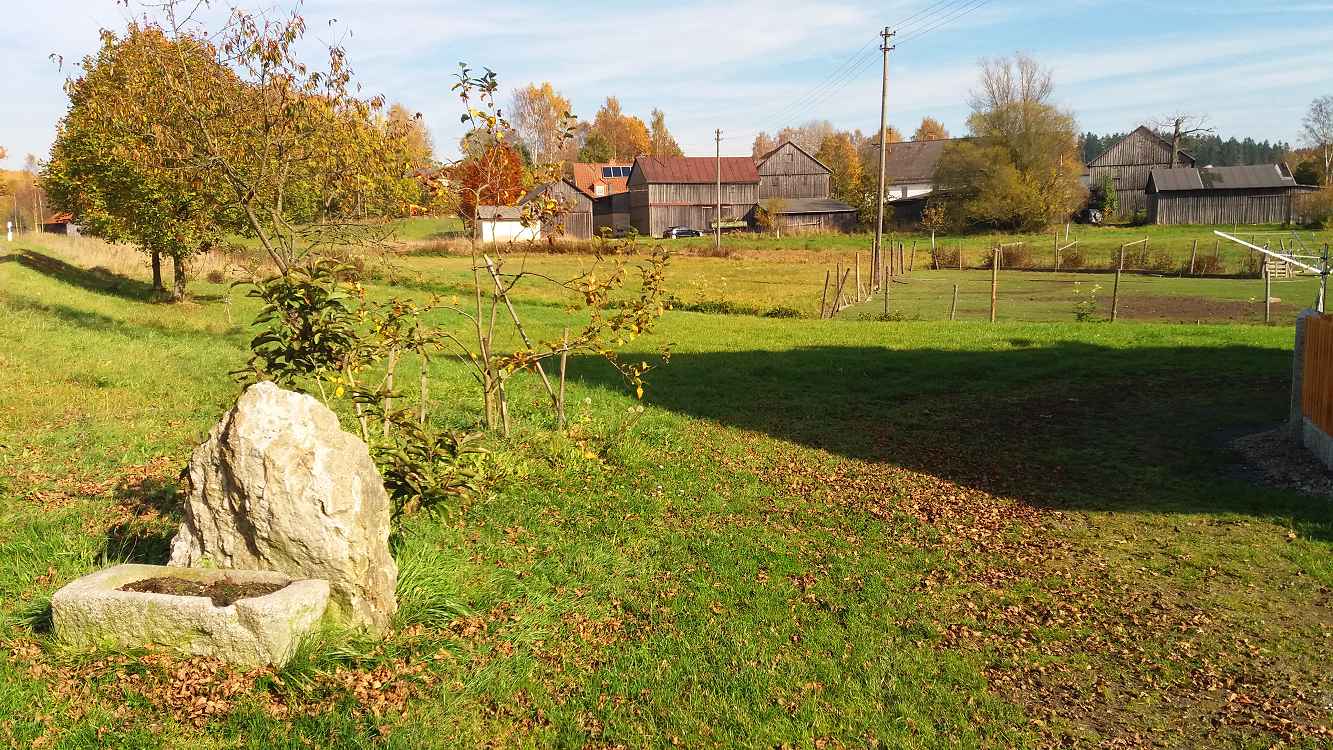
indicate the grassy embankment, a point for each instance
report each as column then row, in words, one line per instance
column 818, row 533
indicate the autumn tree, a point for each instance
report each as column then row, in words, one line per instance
column 1020, row 170
column 763, row 143
column 930, row 129
column 539, row 114
column 809, row 135
column 493, row 177
column 839, row 155
column 626, row 134
column 1317, row 129
column 297, row 152
column 412, row 136
column 661, row 142
column 108, row 166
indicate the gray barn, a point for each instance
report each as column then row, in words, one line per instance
column 1259, row 194
column 797, row 186
column 1129, row 162
column 573, row 224
column 681, row 191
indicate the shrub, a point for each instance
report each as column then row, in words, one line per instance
column 1316, row 209
column 216, row 276
column 1016, row 257
column 1072, row 259
column 944, row 257
column 782, row 311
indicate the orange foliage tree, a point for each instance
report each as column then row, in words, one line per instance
column 493, row 177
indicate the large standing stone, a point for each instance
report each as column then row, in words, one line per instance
column 280, row 486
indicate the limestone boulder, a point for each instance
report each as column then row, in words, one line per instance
column 92, row 612
column 280, row 486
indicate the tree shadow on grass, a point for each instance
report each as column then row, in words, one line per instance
column 1067, row 425
column 98, row 279
column 151, row 507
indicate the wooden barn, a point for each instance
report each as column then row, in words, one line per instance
column 1258, row 194
column 1130, row 161
column 796, row 186
column 61, row 223
column 789, row 171
column 797, row 215
column 680, row 191
column 577, row 222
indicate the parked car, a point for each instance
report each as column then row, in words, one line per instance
column 673, row 232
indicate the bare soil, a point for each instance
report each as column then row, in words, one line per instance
column 1180, row 309
column 1282, row 462
column 223, row 593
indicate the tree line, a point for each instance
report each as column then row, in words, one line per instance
column 1209, row 149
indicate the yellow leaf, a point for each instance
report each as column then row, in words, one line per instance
column 639, row 392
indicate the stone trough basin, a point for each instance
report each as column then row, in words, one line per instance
column 250, row 624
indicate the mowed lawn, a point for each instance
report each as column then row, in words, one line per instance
column 823, row 534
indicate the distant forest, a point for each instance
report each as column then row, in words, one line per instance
column 1209, row 149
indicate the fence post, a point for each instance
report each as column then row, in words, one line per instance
column 859, row 293
column 823, row 298
column 994, row 279
column 1296, row 415
column 953, row 308
column 1194, row 253
column 1268, row 290
column 960, row 256
column 888, row 288
column 1055, row 249
column 911, row 266
column 1115, row 291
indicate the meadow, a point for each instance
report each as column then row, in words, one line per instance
column 829, row 533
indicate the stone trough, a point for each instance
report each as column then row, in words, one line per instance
column 92, row 612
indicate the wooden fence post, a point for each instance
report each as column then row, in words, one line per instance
column 1115, row 291
column 1268, row 293
column 888, row 288
column 1194, row 252
column 1055, row 249
column 960, row 256
column 953, row 307
column 823, row 298
column 912, row 265
column 994, row 279
column 859, row 295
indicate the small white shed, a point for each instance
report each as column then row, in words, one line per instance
column 505, row 224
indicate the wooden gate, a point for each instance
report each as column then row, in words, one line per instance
column 1317, row 380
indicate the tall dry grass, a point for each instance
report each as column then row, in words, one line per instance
column 128, row 260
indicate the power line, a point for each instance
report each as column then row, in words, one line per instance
column 960, row 13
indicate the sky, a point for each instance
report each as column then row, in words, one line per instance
column 746, row 66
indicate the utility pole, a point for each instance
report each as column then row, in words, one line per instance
column 717, row 218
column 883, row 147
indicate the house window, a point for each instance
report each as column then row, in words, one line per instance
column 615, row 172
column 599, row 189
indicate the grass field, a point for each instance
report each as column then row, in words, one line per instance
column 837, row 533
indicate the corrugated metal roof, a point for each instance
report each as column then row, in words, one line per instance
column 500, row 213
column 914, row 161
column 1252, row 177
column 813, row 206
column 696, row 169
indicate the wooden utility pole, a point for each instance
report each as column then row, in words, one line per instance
column 878, row 259
column 717, row 218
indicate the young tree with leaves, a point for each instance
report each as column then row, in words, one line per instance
column 538, row 112
column 1317, row 128
column 660, row 140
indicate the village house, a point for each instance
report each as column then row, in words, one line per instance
column 681, row 191
column 606, row 185
column 796, row 187
column 1130, row 161
column 1258, row 194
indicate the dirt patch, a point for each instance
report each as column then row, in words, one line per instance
column 1179, row 309
column 223, row 593
column 1282, row 462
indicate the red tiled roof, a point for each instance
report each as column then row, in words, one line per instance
column 696, row 169
column 588, row 175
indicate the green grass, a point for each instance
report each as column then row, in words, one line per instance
column 819, row 533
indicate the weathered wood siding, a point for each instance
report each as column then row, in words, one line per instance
column 1317, row 380
column 824, row 222
column 577, row 222
column 1260, row 206
column 789, row 172
column 1129, row 163
column 653, row 208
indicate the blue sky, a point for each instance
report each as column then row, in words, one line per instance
column 750, row 65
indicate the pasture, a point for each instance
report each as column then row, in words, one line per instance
column 845, row 533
